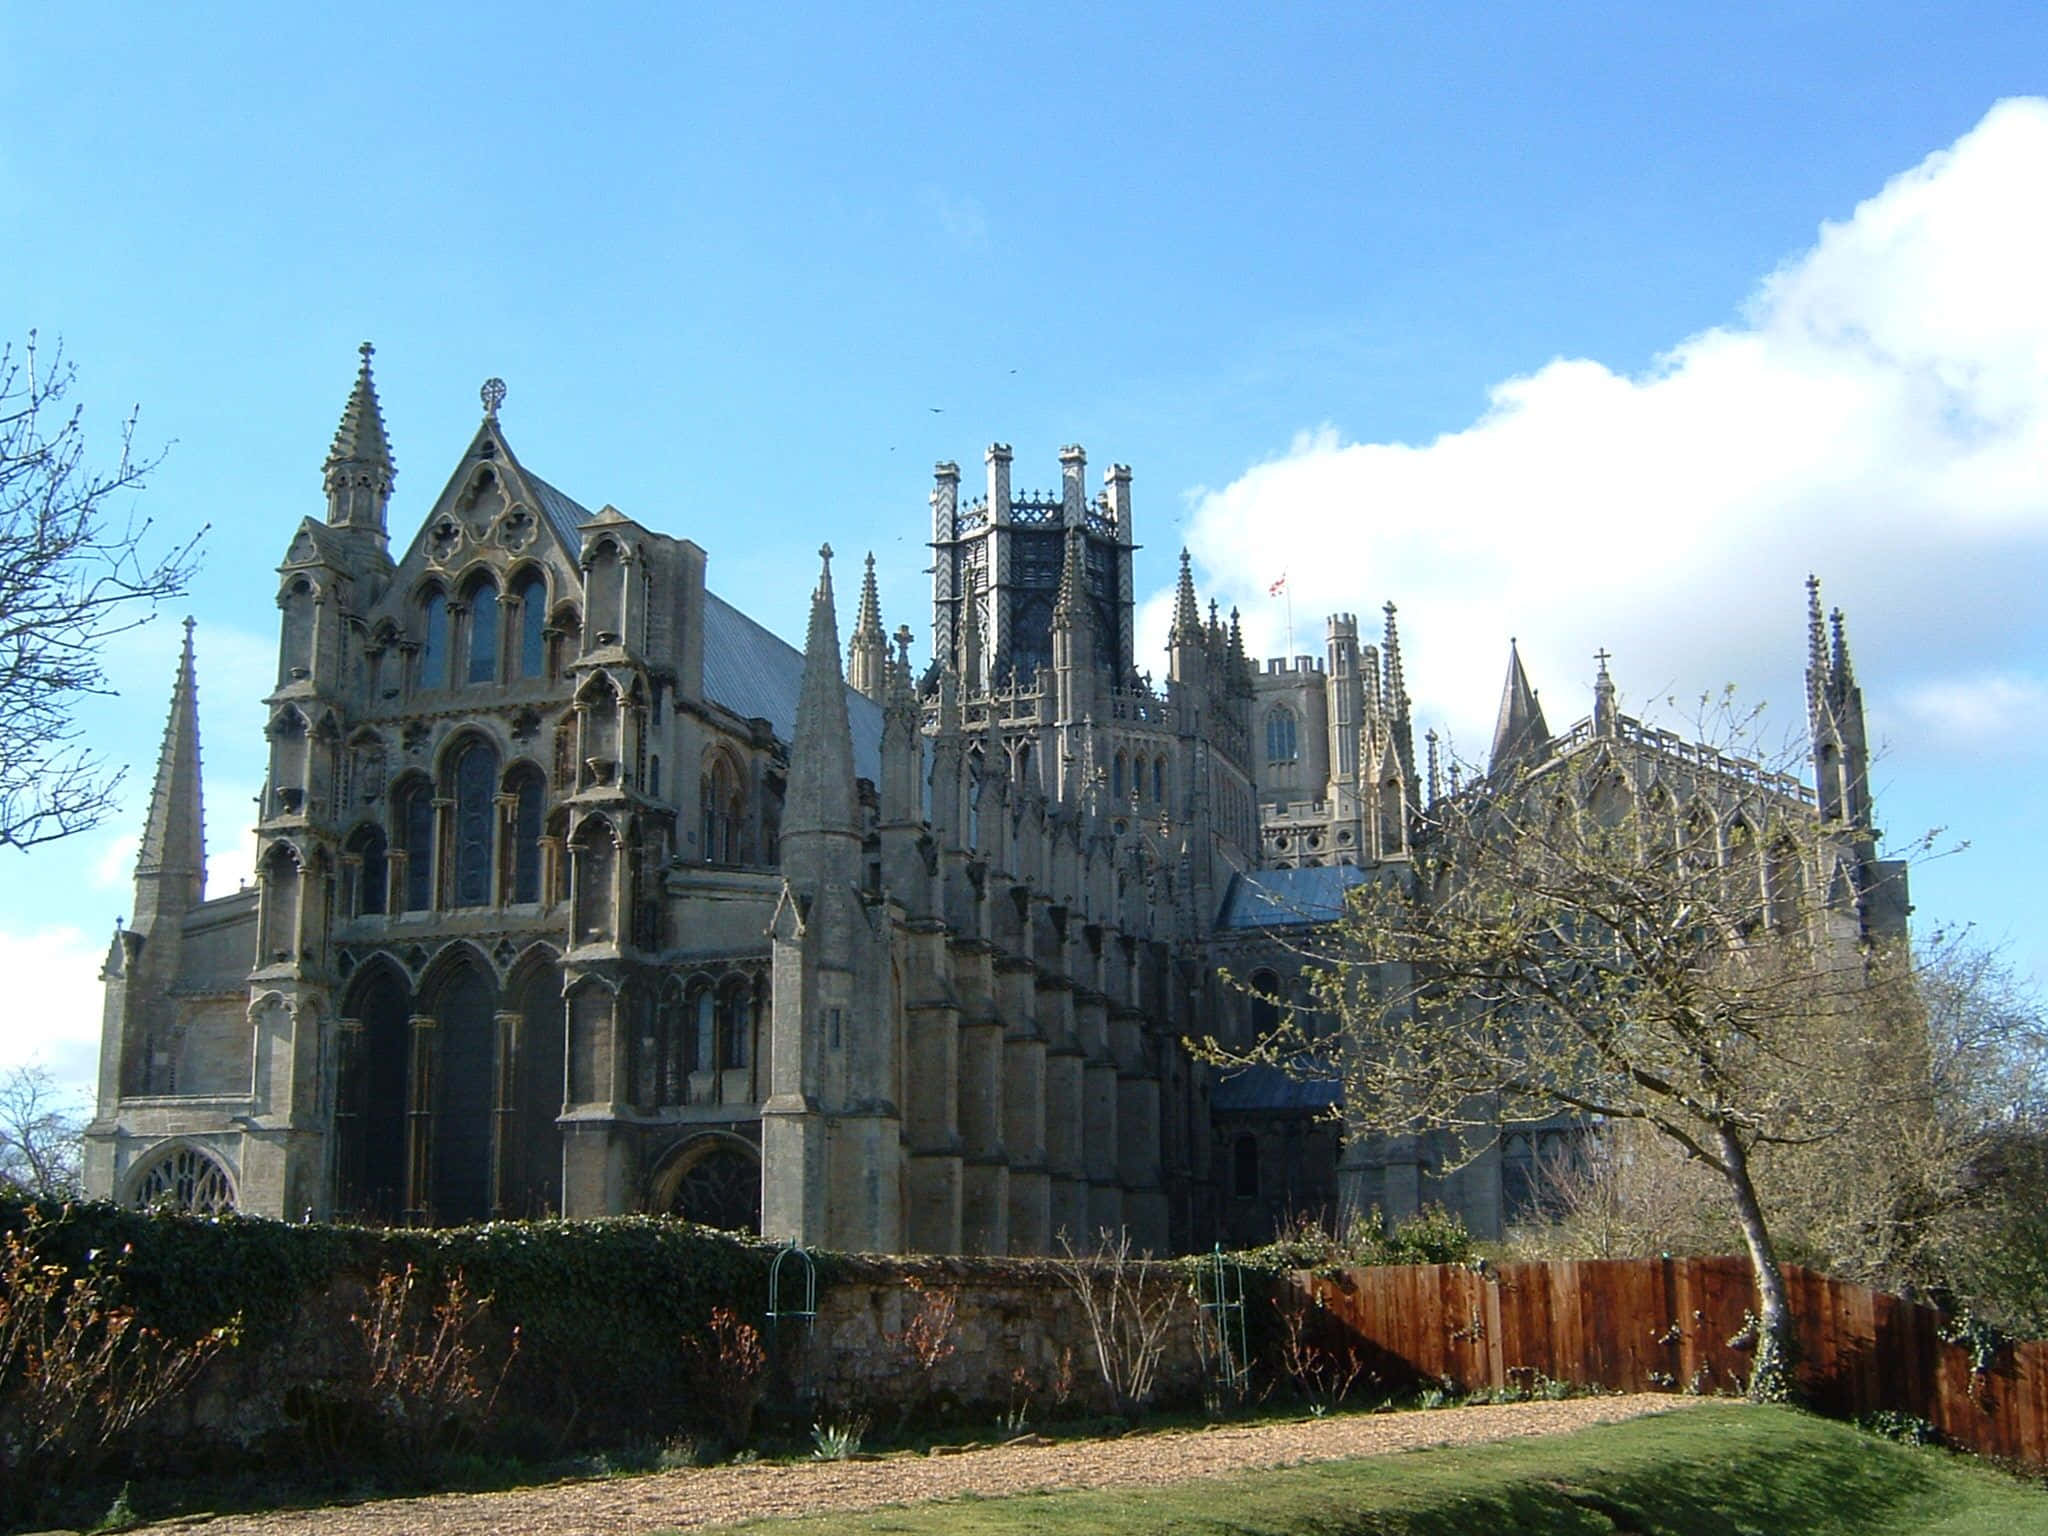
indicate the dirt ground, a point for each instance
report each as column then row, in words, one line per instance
column 695, row 1498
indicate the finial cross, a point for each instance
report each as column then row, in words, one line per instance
column 493, row 396
column 1603, row 656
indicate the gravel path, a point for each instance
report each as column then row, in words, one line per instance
column 694, row 1498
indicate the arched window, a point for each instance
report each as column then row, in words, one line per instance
column 672, row 1029
column 372, row 876
column 1281, row 743
column 280, row 903
column 1159, row 781
column 1786, row 884
column 185, row 1179
column 483, row 633
column 1265, row 1002
column 412, row 822
column 604, row 580
column 434, row 639
column 1116, row 778
column 476, row 789
column 704, row 1032
column 596, row 855
column 736, row 1024
column 529, row 797
column 1244, row 1168
column 529, row 656
column 724, row 812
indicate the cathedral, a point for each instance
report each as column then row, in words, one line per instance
column 579, row 892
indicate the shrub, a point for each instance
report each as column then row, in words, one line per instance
column 728, row 1358
column 79, row 1373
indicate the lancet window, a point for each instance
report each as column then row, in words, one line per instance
column 476, row 784
column 483, row 633
column 433, row 663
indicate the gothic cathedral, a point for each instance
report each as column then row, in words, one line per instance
column 579, row 892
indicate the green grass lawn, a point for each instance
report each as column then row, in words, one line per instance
column 1722, row 1469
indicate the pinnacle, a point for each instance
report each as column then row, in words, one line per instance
column 1187, row 613
column 360, row 438
column 820, row 797
column 1519, row 732
column 1067, row 605
column 868, row 617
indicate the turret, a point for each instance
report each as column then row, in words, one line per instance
column 1347, row 700
column 1841, row 753
column 359, row 472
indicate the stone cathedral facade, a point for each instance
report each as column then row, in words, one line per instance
column 580, row 892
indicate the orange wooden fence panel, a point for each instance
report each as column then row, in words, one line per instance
column 1639, row 1325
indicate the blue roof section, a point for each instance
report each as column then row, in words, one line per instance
column 562, row 511
column 756, row 675
column 1288, row 898
column 1268, row 1088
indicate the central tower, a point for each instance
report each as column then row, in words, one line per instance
column 996, row 571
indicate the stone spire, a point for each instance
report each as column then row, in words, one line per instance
column 820, row 821
column 170, row 870
column 1519, row 733
column 867, row 654
column 359, row 472
column 1187, row 613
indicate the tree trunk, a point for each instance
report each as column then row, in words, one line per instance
column 1770, row 1377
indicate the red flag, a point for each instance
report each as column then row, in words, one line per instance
column 1278, row 587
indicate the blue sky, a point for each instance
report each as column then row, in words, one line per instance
column 1589, row 325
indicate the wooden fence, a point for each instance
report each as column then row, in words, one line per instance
column 1647, row 1325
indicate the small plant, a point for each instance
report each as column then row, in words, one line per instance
column 1129, row 1313
column 1436, row 1397
column 1017, row 1416
column 728, row 1358
column 1902, row 1427
column 120, row 1515
column 1323, row 1371
column 924, row 1344
column 839, row 1440
column 425, row 1386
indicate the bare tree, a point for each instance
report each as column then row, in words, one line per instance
column 73, row 573
column 40, row 1141
column 1558, row 950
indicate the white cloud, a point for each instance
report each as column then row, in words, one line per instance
column 1878, row 414
column 52, row 1015
column 959, row 216
column 1974, row 711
